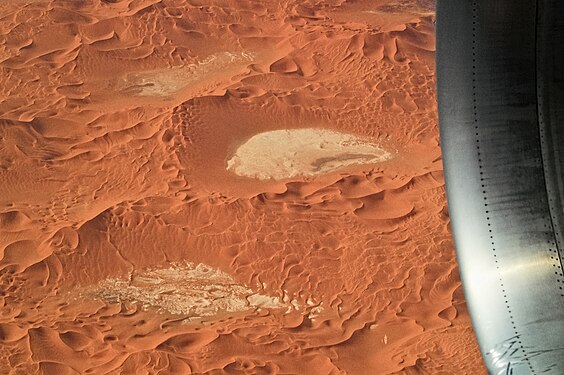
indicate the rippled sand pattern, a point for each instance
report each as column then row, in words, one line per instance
column 224, row 187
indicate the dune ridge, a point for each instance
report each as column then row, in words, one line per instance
column 118, row 120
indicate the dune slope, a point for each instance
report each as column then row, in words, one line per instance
column 224, row 187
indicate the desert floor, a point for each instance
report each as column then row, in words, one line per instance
column 224, row 187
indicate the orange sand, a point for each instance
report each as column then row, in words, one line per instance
column 129, row 243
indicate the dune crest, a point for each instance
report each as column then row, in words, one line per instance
column 290, row 153
column 145, row 145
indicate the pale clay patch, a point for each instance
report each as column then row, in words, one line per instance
column 291, row 153
column 197, row 291
column 166, row 82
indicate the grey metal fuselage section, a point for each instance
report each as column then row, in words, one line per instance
column 500, row 82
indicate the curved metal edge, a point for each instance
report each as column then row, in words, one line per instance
column 495, row 177
column 550, row 109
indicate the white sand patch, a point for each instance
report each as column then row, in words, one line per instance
column 422, row 8
column 185, row 289
column 166, row 82
column 290, row 153
column 315, row 312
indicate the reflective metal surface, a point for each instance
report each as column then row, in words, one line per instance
column 499, row 71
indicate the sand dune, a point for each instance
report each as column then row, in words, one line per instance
column 224, row 187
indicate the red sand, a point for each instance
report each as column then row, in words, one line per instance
column 117, row 121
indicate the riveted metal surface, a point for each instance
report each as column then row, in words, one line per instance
column 501, row 134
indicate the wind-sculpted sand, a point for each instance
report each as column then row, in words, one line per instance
column 224, row 187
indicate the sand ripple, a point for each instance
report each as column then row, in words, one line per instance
column 118, row 119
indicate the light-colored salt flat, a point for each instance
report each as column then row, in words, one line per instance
column 163, row 83
column 289, row 153
column 185, row 289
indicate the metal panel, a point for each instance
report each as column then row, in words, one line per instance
column 495, row 152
